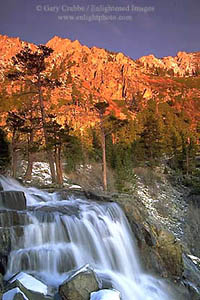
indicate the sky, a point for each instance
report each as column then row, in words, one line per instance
column 134, row 27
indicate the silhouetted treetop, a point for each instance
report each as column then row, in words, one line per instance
column 32, row 63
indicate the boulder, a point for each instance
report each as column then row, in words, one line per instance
column 25, row 286
column 12, row 200
column 79, row 284
column 14, row 294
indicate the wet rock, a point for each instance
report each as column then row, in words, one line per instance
column 177, row 290
column 25, row 286
column 1, row 285
column 68, row 194
column 12, row 218
column 170, row 251
column 192, row 291
column 57, row 297
column 79, row 284
column 191, row 276
column 3, row 263
column 194, row 198
column 97, row 197
column 14, row 294
column 6, row 234
column 159, row 250
column 12, row 200
column 5, row 241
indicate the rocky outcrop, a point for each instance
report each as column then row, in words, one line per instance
column 25, row 286
column 193, row 198
column 79, row 285
column 191, row 276
column 184, row 64
column 1, row 285
column 110, row 76
column 11, row 222
column 12, row 200
column 159, row 250
column 170, row 251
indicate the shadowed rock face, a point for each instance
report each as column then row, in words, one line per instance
column 170, row 251
column 12, row 219
column 12, row 200
column 11, row 222
column 160, row 251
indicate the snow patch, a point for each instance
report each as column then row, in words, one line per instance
column 40, row 173
column 195, row 259
column 170, row 201
column 105, row 295
column 10, row 294
column 30, row 283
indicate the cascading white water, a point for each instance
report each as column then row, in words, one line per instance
column 62, row 235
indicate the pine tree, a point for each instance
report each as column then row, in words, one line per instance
column 15, row 122
column 58, row 137
column 150, row 145
column 108, row 124
column 30, row 67
column 101, row 109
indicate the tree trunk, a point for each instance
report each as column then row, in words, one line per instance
column 157, row 112
column 187, row 160
column 14, row 163
column 28, row 174
column 59, row 166
column 103, row 144
column 49, row 153
column 14, row 156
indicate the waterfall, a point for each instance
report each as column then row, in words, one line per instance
column 60, row 235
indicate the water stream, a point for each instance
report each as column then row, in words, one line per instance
column 61, row 234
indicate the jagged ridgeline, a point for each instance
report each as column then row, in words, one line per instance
column 152, row 107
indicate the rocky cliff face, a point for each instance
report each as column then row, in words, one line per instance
column 184, row 64
column 101, row 74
